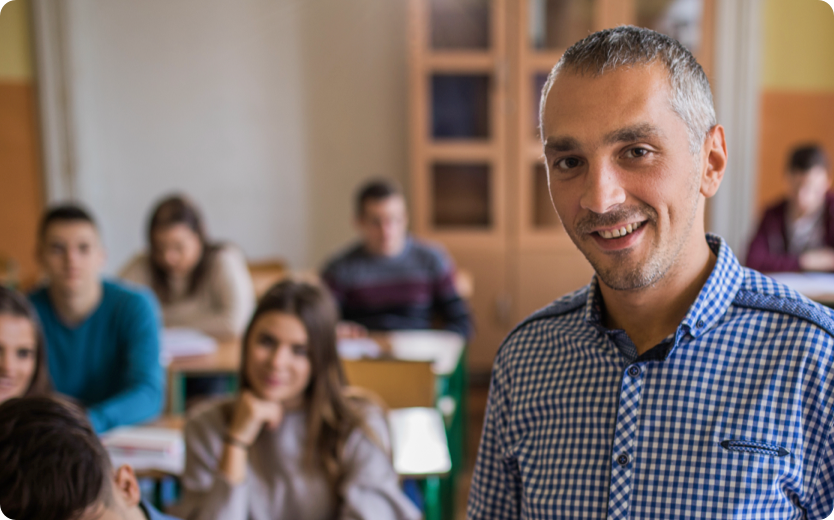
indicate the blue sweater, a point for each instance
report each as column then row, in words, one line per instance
column 110, row 361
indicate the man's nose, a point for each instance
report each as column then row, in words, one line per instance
column 603, row 189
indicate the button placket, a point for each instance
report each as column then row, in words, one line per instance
column 622, row 462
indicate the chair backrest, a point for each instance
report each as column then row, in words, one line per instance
column 401, row 384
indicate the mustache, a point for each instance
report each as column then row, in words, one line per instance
column 592, row 221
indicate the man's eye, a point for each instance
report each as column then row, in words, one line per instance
column 634, row 153
column 567, row 163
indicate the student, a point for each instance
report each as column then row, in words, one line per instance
column 389, row 280
column 53, row 467
column 677, row 384
column 292, row 444
column 200, row 285
column 102, row 337
column 797, row 234
column 23, row 369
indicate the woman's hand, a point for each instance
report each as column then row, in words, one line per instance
column 251, row 414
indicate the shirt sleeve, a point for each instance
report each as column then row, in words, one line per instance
column 496, row 483
column 452, row 309
column 233, row 295
column 371, row 488
column 142, row 394
column 207, row 495
column 822, row 504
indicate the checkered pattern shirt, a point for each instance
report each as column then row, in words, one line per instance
column 729, row 418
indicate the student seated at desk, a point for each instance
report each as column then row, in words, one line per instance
column 797, row 234
column 102, row 337
column 291, row 444
column 23, row 369
column 389, row 280
column 200, row 285
column 53, row 467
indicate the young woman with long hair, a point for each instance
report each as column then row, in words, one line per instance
column 23, row 369
column 201, row 285
column 293, row 443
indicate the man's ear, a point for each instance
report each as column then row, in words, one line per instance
column 126, row 485
column 715, row 148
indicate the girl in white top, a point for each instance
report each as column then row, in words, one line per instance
column 199, row 285
column 292, row 444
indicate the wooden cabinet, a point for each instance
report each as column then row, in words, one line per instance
column 478, row 185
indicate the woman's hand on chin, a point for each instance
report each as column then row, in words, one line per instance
column 251, row 414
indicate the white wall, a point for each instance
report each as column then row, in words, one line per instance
column 267, row 112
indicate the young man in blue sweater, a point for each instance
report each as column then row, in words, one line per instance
column 102, row 337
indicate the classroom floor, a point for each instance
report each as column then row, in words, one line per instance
column 477, row 405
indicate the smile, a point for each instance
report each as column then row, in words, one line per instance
column 621, row 232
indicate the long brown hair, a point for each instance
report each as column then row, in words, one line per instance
column 173, row 210
column 12, row 303
column 332, row 412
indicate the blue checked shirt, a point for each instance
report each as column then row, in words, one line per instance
column 729, row 418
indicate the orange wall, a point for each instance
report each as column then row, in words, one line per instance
column 21, row 193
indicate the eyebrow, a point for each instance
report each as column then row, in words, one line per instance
column 628, row 134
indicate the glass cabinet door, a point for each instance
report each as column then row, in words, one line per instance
column 680, row 19
column 556, row 24
column 459, row 24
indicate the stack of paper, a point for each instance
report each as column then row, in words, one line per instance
column 146, row 448
column 181, row 342
column 358, row 348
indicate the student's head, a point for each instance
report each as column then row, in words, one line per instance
column 381, row 217
column 52, row 466
column 23, row 370
column 178, row 244
column 289, row 357
column 70, row 249
column 809, row 177
column 631, row 141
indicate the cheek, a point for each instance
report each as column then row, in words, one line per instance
column 303, row 371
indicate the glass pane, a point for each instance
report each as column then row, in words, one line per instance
column 557, row 24
column 539, row 79
column 544, row 214
column 459, row 24
column 461, row 195
column 460, row 106
column 680, row 19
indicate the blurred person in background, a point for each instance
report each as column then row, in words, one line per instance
column 23, row 370
column 199, row 284
column 797, row 233
column 389, row 280
column 102, row 337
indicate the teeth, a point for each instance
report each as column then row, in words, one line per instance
column 623, row 231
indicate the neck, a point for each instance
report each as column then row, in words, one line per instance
column 650, row 314
column 73, row 307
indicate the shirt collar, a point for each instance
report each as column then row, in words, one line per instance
column 712, row 302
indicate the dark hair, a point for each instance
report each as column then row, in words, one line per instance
column 331, row 413
column 12, row 303
column 52, row 465
column 375, row 190
column 806, row 157
column 64, row 213
column 173, row 210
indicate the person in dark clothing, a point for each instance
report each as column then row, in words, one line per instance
column 390, row 280
column 797, row 234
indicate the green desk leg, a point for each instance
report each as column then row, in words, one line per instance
column 455, row 386
column 178, row 393
column 434, row 507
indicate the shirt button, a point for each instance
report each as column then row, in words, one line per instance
column 634, row 371
column 700, row 324
column 622, row 460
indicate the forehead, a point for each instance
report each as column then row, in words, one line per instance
column 287, row 327
column 394, row 203
column 586, row 107
column 71, row 230
column 16, row 329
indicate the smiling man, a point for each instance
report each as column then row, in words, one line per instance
column 678, row 384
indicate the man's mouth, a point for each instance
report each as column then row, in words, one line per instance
column 620, row 232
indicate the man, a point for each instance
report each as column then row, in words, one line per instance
column 797, row 234
column 53, row 467
column 678, row 384
column 102, row 337
column 390, row 281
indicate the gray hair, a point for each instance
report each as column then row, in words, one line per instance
column 627, row 46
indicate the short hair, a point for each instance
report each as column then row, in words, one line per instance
column 52, row 465
column 375, row 190
column 64, row 213
column 12, row 303
column 628, row 46
column 806, row 157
